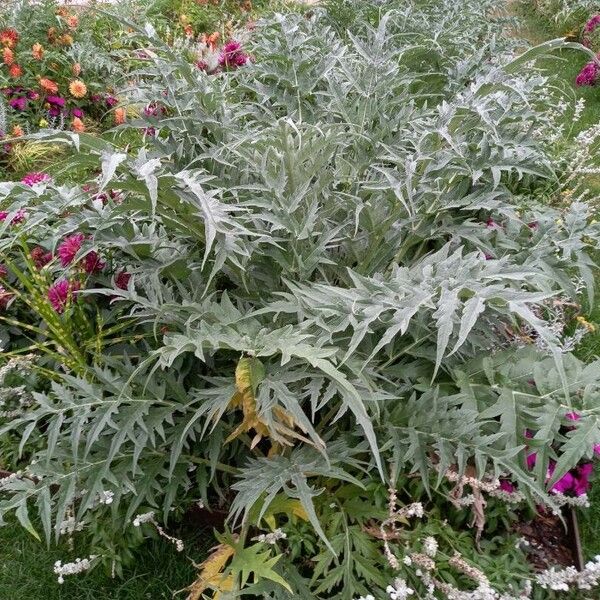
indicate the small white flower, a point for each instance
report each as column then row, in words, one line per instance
column 430, row 546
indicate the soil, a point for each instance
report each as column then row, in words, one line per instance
column 552, row 541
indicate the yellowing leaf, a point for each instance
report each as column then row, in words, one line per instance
column 211, row 573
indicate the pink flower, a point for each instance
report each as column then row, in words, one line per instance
column 573, row 416
column 93, row 263
column 507, row 486
column 531, row 460
column 61, row 293
column 588, row 75
column 232, row 55
column 32, row 178
column 564, row 484
column 592, row 24
column 18, row 218
column 69, row 248
column 122, row 280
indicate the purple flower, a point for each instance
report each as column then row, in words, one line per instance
column 507, row 486
column 32, row 95
column 61, row 292
column 111, row 101
column 588, row 75
column 18, row 103
column 55, row 100
column 36, row 177
column 77, row 112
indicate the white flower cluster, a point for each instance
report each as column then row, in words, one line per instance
column 367, row 597
column 430, row 546
column 70, row 526
column 581, row 501
column 79, row 566
column 143, row 518
column 271, row 538
column 399, row 590
column 106, row 497
column 564, row 579
column 485, row 485
column 515, row 497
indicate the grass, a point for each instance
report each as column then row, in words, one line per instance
column 26, row 570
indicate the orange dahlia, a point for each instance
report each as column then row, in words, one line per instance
column 48, row 85
column 72, row 21
column 77, row 88
column 15, row 71
column 8, row 57
column 77, row 125
column 38, row 51
column 120, row 116
column 9, row 38
column 17, row 131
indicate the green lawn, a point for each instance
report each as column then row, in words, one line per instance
column 26, row 570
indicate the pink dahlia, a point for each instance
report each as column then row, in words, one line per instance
column 69, row 248
column 62, row 292
column 92, row 263
column 36, row 177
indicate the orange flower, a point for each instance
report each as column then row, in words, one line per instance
column 76, row 69
column 15, row 71
column 211, row 40
column 9, row 38
column 61, row 11
column 38, row 51
column 72, row 21
column 52, row 35
column 189, row 31
column 8, row 56
column 65, row 40
column 77, row 88
column 48, row 85
column 77, row 125
column 120, row 116
column 17, row 131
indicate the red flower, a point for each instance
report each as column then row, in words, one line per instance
column 93, row 263
column 40, row 257
column 122, row 280
column 9, row 38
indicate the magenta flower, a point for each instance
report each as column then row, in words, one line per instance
column 35, row 177
column 55, row 100
column 61, row 293
column 507, row 486
column 582, row 481
column 69, row 248
column 592, row 24
column 18, row 103
column 18, row 218
column 77, row 112
column 3, row 271
column 92, row 263
column 122, row 280
column 232, row 55
column 588, row 75
column 33, row 95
